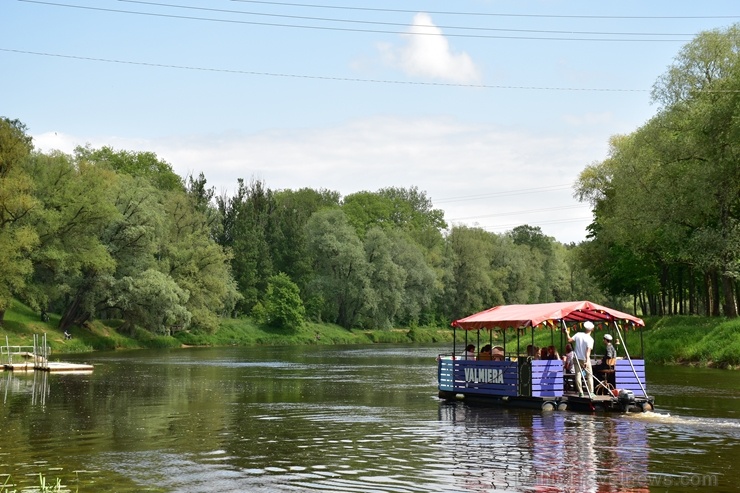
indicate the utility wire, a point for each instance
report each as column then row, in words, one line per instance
column 315, row 77
column 500, row 227
column 346, row 29
column 402, row 24
column 546, row 16
column 504, row 193
column 529, row 211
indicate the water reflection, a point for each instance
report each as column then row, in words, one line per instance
column 35, row 383
column 519, row 450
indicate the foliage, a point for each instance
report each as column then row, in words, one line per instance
column 283, row 304
column 667, row 199
column 339, row 265
column 17, row 239
column 136, row 164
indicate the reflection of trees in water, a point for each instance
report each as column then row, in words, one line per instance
column 496, row 448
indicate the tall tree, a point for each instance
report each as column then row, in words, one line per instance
column 17, row 237
column 341, row 281
column 386, row 280
column 246, row 229
column 137, row 164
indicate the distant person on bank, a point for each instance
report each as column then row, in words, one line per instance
column 583, row 344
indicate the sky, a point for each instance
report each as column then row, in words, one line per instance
column 492, row 108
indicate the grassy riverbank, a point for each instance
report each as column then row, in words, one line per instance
column 701, row 341
column 21, row 323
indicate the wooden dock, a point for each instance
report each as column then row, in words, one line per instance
column 36, row 358
column 53, row 366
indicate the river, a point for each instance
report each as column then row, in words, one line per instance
column 346, row 419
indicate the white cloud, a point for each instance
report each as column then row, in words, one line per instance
column 425, row 52
column 464, row 168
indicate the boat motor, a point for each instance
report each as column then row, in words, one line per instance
column 626, row 398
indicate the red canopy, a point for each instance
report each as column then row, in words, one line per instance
column 505, row 316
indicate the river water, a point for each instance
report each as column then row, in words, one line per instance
column 347, row 419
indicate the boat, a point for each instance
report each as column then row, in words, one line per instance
column 513, row 377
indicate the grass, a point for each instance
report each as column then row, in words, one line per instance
column 21, row 323
column 9, row 487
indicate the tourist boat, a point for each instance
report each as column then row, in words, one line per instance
column 512, row 377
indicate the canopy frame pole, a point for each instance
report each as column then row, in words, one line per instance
column 626, row 353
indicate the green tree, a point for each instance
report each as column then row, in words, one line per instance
column 668, row 195
column 18, row 238
column 471, row 282
column 287, row 237
column 137, row 164
column 76, row 208
column 341, row 272
column 152, row 300
column 196, row 263
column 421, row 286
column 246, row 220
column 283, row 305
column 386, row 280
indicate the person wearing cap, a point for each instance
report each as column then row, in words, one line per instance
column 583, row 344
column 610, row 353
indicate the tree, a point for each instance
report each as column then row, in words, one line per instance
column 421, row 285
column 246, row 225
column 152, row 300
column 668, row 196
column 341, row 283
column 195, row 262
column 137, row 164
column 76, row 208
column 283, row 305
column 470, row 283
column 18, row 238
column 386, row 280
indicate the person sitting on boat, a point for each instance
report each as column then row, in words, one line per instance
column 533, row 351
column 485, row 353
column 551, row 353
column 583, row 344
column 568, row 360
column 497, row 354
column 609, row 354
column 469, row 352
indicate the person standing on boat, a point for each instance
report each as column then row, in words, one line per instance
column 583, row 344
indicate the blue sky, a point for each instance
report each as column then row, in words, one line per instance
column 492, row 108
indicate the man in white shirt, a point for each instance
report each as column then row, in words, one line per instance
column 583, row 344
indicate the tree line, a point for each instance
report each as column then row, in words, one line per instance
column 666, row 201
column 112, row 234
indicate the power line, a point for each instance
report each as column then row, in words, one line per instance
column 548, row 188
column 545, row 16
column 315, row 77
column 529, row 211
column 538, row 223
column 401, row 24
column 346, row 29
